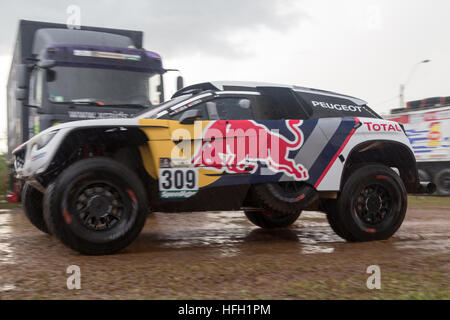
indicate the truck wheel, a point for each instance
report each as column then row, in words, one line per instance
column 443, row 182
column 271, row 220
column 423, row 176
column 96, row 206
column 287, row 197
column 371, row 205
column 32, row 205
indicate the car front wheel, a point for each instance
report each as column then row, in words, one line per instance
column 96, row 206
column 32, row 206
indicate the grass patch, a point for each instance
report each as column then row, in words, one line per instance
column 7, row 205
column 4, row 180
column 3, row 175
column 395, row 285
column 428, row 201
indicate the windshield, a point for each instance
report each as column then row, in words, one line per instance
column 104, row 86
column 153, row 114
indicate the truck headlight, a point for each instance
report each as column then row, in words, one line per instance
column 44, row 140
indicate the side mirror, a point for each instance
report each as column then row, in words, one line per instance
column 46, row 64
column 21, row 94
column 180, row 83
column 21, row 71
column 189, row 116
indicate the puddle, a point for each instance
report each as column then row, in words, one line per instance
column 311, row 249
column 228, row 252
column 312, row 215
column 6, row 233
column 226, row 239
column 215, row 220
column 7, row 287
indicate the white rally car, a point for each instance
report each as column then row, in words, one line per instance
column 268, row 150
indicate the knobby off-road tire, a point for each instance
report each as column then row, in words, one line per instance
column 96, row 206
column 289, row 197
column 32, row 206
column 330, row 206
column 371, row 205
column 271, row 220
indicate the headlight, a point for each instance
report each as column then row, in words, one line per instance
column 44, row 140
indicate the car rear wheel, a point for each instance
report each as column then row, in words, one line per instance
column 371, row 205
column 96, row 206
column 32, row 205
column 271, row 220
column 286, row 197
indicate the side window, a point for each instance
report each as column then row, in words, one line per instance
column 228, row 108
column 234, row 108
column 155, row 89
column 180, row 111
column 283, row 103
column 265, row 108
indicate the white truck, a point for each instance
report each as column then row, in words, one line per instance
column 427, row 124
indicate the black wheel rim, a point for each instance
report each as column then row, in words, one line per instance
column 98, row 205
column 374, row 204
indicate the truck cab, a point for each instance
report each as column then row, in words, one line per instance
column 60, row 75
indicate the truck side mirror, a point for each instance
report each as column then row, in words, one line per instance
column 46, row 64
column 21, row 94
column 21, row 76
column 189, row 116
column 180, row 83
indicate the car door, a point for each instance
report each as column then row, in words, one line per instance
column 178, row 178
column 225, row 138
column 208, row 145
column 183, row 172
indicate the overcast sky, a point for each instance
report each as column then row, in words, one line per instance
column 362, row 48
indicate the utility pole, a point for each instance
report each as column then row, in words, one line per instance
column 402, row 95
column 402, row 86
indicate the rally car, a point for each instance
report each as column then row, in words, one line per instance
column 266, row 149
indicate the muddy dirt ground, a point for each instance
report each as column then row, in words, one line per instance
column 220, row 255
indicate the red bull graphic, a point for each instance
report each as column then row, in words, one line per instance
column 241, row 146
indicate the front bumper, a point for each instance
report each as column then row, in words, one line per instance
column 31, row 160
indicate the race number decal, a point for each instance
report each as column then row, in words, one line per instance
column 178, row 182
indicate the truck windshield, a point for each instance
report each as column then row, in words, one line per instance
column 104, row 86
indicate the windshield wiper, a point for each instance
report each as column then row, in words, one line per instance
column 143, row 106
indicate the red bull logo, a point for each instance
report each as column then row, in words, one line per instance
column 241, row 146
